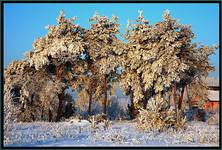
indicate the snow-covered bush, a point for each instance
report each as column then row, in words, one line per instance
column 213, row 119
column 99, row 121
column 157, row 117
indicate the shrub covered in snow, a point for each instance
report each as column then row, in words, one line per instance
column 213, row 119
column 158, row 116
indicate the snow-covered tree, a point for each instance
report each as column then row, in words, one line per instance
column 58, row 53
column 25, row 85
column 161, row 56
column 103, row 47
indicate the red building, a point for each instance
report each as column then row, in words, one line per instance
column 213, row 102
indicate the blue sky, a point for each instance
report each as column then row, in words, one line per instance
column 23, row 23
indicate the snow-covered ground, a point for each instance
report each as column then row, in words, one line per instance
column 120, row 133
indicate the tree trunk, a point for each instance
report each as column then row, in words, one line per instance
column 188, row 97
column 131, row 107
column 168, row 99
column 59, row 110
column 131, row 99
column 175, row 101
column 60, row 96
column 145, row 99
column 33, row 117
column 58, row 72
column 50, row 115
column 42, row 113
column 181, row 98
column 90, row 104
column 106, row 96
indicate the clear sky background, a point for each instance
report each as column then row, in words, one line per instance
column 23, row 23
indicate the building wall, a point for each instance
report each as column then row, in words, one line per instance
column 212, row 106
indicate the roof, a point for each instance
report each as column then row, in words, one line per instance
column 210, row 81
column 214, row 88
column 213, row 95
